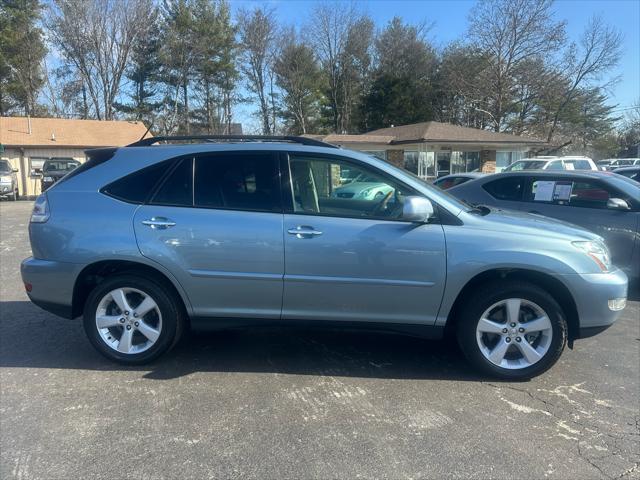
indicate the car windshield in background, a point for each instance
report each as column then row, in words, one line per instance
column 5, row 167
column 526, row 165
column 60, row 165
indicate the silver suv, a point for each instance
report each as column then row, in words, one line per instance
column 8, row 181
column 147, row 240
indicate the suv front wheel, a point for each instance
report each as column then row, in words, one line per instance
column 132, row 320
column 513, row 331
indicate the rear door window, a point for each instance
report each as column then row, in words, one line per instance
column 177, row 188
column 246, row 181
column 509, row 188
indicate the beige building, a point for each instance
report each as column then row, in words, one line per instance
column 434, row 149
column 28, row 142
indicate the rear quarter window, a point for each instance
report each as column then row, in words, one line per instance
column 509, row 188
column 138, row 186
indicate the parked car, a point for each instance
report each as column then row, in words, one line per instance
column 363, row 187
column 56, row 168
column 143, row 241
column 602, row 202
column 630, row 172
column 552, row 163
column 8, row 181
column 614, row 163
column 454, row 179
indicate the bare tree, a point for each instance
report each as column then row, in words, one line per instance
column 257, row 31
column 337, row 33
column 597, row 53
column 95, row 38
column 508, row 33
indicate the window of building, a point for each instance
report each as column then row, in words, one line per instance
column 420, row 163
column 249, row 181
column 506, row 158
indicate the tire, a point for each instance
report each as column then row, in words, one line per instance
column 14, row 197
column 162, row 324
column 529, row 350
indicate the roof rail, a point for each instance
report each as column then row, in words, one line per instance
column 230, row 138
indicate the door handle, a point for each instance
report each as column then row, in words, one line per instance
column 304, row 231
column 159, row 223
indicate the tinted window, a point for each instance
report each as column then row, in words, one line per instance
column 632, row 174
column 61, row 164
column 5, row 167
column 177, row 189
column 447, row 183
column 138, row 186
column 248, row 181
column 321, row 186
column 509, row 188
column 576, row 193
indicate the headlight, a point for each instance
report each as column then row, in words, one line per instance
column 47, row 179
column 365, row 193
column 597, row 251
column 5, row 179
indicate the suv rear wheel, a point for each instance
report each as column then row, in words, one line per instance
column 132, row 320
column 512, row 331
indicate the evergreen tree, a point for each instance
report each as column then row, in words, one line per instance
column 22, row 51
column 143, row 73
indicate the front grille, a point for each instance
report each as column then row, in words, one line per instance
column 344, row 194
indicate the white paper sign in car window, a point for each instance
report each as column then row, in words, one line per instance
column 562, row 191
column 544, row 191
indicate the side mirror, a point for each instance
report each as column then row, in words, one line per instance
column 417, row 209
column 14, row 170
column 618, row 204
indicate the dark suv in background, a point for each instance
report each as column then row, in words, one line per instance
column 56, row 168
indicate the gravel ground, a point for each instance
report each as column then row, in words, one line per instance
column 278, row 404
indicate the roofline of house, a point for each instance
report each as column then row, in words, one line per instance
column 57, row 145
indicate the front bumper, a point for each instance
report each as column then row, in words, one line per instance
column 6, row 189
column 51, row 284
column 591, row 293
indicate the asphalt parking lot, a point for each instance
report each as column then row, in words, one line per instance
column 303, row 404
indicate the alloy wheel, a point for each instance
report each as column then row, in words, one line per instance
column 128, row 320
column 514, row 333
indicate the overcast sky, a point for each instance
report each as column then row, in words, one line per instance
column 450, row 23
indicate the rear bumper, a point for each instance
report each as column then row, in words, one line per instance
column 51, row 283
column 592, row 293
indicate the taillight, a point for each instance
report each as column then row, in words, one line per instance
column 40, row 213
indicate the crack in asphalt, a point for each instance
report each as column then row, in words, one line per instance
column 617, row 451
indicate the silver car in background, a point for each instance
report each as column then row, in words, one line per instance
column 147, row 240
column 8, row 181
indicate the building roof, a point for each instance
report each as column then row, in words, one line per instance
column 436, row 132
column 62, row 132
column 365, row 138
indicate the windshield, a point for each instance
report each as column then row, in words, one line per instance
column 5, row 167
column 64, row 164
column 526, row 165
